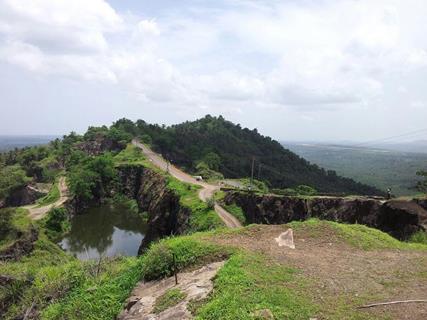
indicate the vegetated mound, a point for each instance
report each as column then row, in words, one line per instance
column 230, row 149
column 334, row 269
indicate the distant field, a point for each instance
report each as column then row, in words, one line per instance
column 377, row 167
column 11, row 142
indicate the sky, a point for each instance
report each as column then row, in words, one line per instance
column 318, row 70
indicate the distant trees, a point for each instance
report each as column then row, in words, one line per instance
column 206, row 146
column 222, row 146
column 422, row 185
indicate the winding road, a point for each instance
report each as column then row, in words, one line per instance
column 36, row 213
column 206, row 192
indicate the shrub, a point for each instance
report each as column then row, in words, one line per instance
column 305, row 190
column 210, row 203
column 5, row 223
column 157, row 262
column 57, row 222
column 419, row 237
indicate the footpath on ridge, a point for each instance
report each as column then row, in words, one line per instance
column 206, row 192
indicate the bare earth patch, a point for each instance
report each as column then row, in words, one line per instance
column 340, row 277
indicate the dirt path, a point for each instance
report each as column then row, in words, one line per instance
column 207, row 191
column 36, row 213
column 341, row 276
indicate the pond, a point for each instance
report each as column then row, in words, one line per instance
column 106, row 231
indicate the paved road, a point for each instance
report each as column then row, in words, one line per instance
column 206, row 192
column 37, row 213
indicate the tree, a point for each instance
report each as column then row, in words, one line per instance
column 81, row 182
column 56, row 219
column 11, row 178
column 422, row 185
column 212, row 160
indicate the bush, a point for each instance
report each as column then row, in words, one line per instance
column 419, row 237
column 210, row 203
column 305, row 190
column 285, row 192
column 5, row 223
column 11, row 178
column 57, row 222
column 145, row 138
column 158, row 261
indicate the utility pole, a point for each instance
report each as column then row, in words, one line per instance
column 252, row 172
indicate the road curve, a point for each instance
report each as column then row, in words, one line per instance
column 36, row 213
column 205, row 193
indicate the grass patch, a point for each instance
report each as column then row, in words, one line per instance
column 202, row 217
column 98, row 296
column 419, row 237
column 51, row 197
column 134, row 155
column 237, row 212
column 356, row 235
column 188, row 250
column 13, row 223
column 169, row 299
column 250, row 282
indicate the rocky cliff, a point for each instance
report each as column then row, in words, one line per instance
column 22, row 196
column 166, row 215
column 398, row 218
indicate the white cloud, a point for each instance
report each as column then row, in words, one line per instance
column 149, row 27
column 309, row 55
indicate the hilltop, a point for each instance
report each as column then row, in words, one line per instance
column 230, row 149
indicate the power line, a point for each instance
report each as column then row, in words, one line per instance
column 408, row 134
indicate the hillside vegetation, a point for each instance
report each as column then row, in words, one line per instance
column 230, row 149
column 209, row 146
column 50, row 284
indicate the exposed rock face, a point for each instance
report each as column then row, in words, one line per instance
column 23, row 196
column 149, row 188
column 22, row 247
column 398, row 218
column 99, row 145
column 195, row 286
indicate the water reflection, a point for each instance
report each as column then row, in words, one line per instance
column 104, row 231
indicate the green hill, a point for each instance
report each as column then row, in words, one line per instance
column 230, row 149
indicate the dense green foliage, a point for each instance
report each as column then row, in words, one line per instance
column 11, row 178
column 92, row 177
column 203, row 217
column 57, row 223
column 230, row 149
column 5, row 223
column 188, row 250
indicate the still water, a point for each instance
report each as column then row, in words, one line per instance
column 104, row 231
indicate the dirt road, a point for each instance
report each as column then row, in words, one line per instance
column 37, row 213
column 206, row 192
